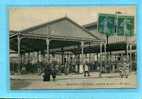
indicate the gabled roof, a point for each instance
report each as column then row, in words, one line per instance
column 90, row 25
column 93, row 26
column 62, row 32
column 58, row 29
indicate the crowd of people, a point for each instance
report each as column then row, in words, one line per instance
column 51, row 69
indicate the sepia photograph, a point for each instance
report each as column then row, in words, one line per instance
column 72, row 47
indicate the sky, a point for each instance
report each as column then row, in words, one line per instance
column 21, row 18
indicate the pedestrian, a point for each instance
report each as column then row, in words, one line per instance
column 86, row 69
column 53, row 71
column 124, row 67
column 47, row 73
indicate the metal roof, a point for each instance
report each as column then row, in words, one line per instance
column 62, row 32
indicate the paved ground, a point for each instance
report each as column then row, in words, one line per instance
column 71, row 81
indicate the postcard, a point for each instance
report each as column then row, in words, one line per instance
column 72, row 47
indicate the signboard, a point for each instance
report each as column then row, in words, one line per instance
column 111, row 24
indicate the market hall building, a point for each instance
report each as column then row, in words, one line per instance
column 61, row 40
column 69, row 44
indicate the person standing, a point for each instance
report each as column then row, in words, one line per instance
column 53, row 71
column 86, row 69
column 47, row 73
